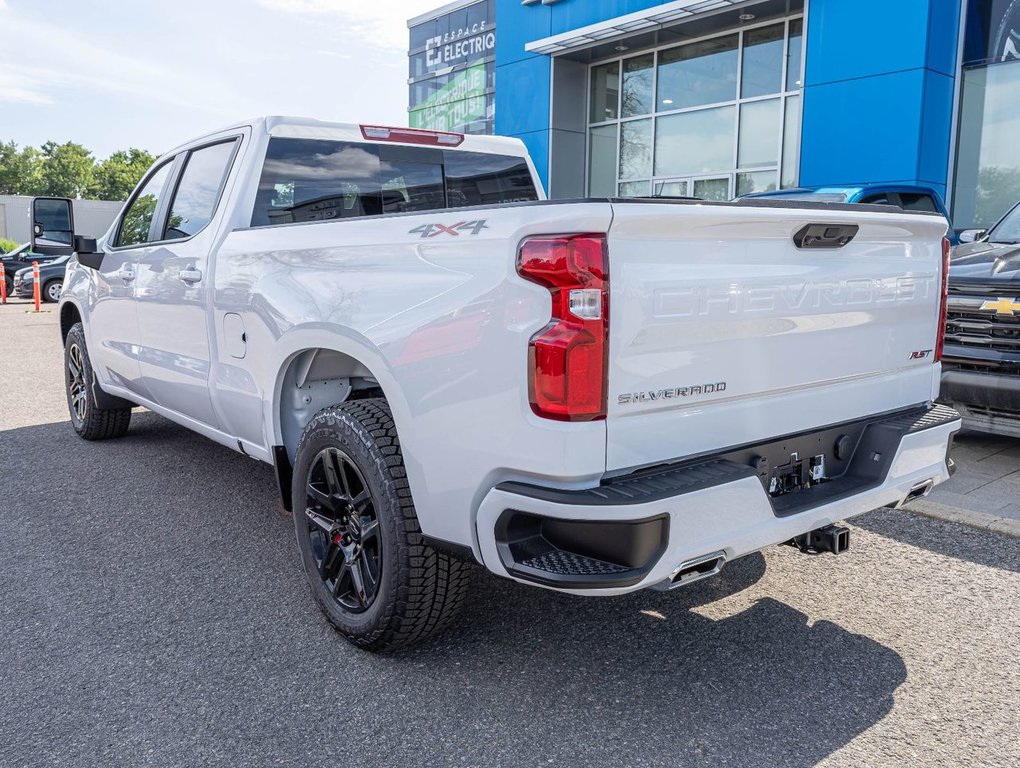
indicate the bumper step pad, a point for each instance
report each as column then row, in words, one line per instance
column 563, row 563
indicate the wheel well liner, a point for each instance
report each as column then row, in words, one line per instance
column 313, row 379
column 69, row 315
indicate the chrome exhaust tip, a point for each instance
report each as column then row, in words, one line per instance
column 693, row 570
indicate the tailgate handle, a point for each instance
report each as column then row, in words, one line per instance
column 824, row 235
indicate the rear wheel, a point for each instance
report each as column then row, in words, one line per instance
column 89, row 420
column 367, row 565
column 9, row 282
column 51, row 291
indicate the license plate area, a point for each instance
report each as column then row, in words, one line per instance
column 803, row 471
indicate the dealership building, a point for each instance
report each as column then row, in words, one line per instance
column 717, row 98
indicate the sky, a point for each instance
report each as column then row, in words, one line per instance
column 113, row 74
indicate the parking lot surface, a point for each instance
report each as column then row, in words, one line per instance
column 153, row 613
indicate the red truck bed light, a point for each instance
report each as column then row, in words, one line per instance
column 567, row 359
column 412, row 136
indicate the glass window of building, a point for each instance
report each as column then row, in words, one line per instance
column 602, row 164
column 710, row 118
column 762, row 70
column 699, row 73
column 987, row 178
column 637, row 85
column 605, row 92
column 452, row 68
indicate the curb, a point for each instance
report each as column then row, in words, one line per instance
column 986, row 522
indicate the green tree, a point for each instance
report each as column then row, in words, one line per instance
column 20, row 170
column 117, row 175
column 67, row 169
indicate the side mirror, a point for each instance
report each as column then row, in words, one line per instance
column 972, row 235
column 87, row 253
column 52, row 226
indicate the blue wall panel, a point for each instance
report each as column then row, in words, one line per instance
column 571, row 14
column 864, row 37
column 537, row 143
column 523, row 89
column 516, row 26
column 943, row 36
column 936, row 129
column 878, row 96
column 862, row 130
column 879, row 85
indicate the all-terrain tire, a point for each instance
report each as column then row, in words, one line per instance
column 89, row 421
column 419, row 589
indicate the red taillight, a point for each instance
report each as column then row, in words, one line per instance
column 567, row 358
column 412, row 136
column 940, row 338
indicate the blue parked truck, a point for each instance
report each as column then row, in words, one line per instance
column 906, row 196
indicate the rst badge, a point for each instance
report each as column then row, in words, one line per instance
column 453, row 230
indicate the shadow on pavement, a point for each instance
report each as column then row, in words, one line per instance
column 994, row 550
column 153, row 612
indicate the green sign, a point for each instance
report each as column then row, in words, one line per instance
column 456, row 104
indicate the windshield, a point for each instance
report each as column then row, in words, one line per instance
column 1007, row 230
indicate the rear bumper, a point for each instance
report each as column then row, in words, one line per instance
column 641, row 530
column 988, row 402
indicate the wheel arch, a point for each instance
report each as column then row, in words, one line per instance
column 69, row 315
column 315, row 370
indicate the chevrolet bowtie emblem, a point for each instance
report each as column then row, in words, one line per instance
column 1002, row 306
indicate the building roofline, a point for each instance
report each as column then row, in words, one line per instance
column 456, row 5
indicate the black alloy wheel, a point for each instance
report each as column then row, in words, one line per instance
column 343, row 528
column 77, row 390
column 88, row 419
column 370, row 570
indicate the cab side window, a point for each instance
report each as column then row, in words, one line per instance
column 137, row 220
column 477, row 178
column 198, row 191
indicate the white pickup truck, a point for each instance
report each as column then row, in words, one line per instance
column 594, row 396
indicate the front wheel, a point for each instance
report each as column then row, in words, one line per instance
column 51, row 291
column 368, row 567
column 89, row 420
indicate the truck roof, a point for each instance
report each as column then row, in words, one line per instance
column 307, row 127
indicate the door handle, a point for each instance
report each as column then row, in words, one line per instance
column 190, row 276
column 126, row 274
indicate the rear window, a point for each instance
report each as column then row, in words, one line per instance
column 911, row 201
column 318, row 180
column 476, row 178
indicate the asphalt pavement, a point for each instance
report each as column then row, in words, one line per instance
column 153, row 613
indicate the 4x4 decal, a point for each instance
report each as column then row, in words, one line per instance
column 454, row 230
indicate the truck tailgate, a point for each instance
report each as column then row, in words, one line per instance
column 724, row 333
